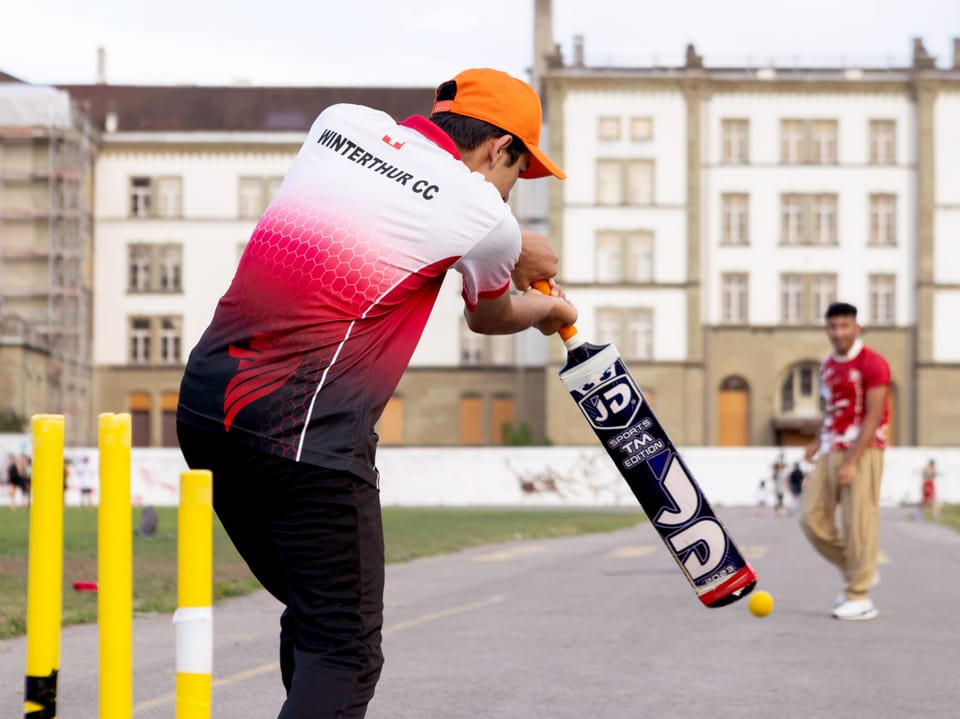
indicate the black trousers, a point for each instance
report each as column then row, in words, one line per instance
column 314, row 538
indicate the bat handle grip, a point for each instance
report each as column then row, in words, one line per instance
column 567, row 332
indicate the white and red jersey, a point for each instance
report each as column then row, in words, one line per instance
column 844, row 381
column 337, row 282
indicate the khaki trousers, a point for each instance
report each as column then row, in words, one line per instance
column 854, row 552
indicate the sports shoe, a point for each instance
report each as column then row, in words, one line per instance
column 842, row 597
column 856, row 609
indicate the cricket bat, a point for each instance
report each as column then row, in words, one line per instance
column 630, row 432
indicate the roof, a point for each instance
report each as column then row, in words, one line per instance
column 250, row 109
column 4, row 77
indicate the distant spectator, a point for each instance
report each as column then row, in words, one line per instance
column 14, row 480
column 796, row 483
column 929, row 488
column 779, row 470
column 86, row 482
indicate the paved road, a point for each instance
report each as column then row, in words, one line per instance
column 600, row 626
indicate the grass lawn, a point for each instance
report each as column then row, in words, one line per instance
column 950, row 515
column 409, row 533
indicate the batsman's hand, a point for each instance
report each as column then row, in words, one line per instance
column 537, row 261
column 561, row 312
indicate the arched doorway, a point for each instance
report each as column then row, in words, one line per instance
column 733, row 412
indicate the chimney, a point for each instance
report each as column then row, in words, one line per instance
column 543, row 46
column 922, row 60
column 956, row 53
column 578, row 50
column 101, row 66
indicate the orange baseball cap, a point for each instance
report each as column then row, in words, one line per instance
column 504, row 101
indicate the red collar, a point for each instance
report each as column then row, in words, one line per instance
column 431, row 131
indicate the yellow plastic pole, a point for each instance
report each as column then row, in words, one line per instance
column 115, row 568
column 193, row 619
column 45, row 568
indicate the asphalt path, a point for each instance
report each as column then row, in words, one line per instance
column 600, row 626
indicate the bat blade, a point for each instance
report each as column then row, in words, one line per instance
column 633, row 437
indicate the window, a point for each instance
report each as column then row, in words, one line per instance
column 808, row 219
column 808, row 141
column 735, row 298
column 471, row 419
column 804, row 298
column 639, row 256
column 883, row 299
column 390, row 425
column 609, row 257
column 168, row 407
column 138, row 404
column 273, row 187
column 735, row 213
column 639, row 182
column 883, row 142
column 800, row 390
column 824, row 219
column 641, row 129
column 169, row 191
column 624, row 256
column 823, row 290
column 883, row 220
column 154, row 267
column 140, row 196
column 251, row 197
column 478, row 350
column 792, row 231
column 139, row 267
column 164, row 333
column 824, row 137
column 608, row 128
column 793, row 141
column 501, row 413
column 609, row 183
column 621, row 182
column 170, row 340
column 169, row 260
column 734, row 139
column 792, row 299
column 629, row 328
column 139, row 340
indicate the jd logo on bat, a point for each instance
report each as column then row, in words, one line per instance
column 700, row 546
column 613, row 404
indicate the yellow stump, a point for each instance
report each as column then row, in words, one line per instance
column 194, row 616
column 115, row 568
column 45, row 570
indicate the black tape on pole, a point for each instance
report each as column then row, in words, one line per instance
column 42, row 691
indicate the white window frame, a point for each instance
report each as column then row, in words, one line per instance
column 735, row 139
column 883, row 220
column 734, row 303
column 735, row 219
column 608, row 128
column 883, row 299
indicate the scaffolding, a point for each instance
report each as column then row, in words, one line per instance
column 46, row 164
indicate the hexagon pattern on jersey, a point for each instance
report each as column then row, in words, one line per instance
column 302, row 260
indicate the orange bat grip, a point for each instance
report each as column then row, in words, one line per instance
column 565, row 332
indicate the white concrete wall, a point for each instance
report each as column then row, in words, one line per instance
column 581, row 476
column 764, row 179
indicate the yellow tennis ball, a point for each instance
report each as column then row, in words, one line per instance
column 761, row 604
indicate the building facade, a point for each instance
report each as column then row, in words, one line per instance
column 183, row 175
column 713, row 214
column 47, row 149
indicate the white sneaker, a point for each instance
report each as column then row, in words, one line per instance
column 856, row 609
column 842, row 597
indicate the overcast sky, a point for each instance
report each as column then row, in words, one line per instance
column 420, row 42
